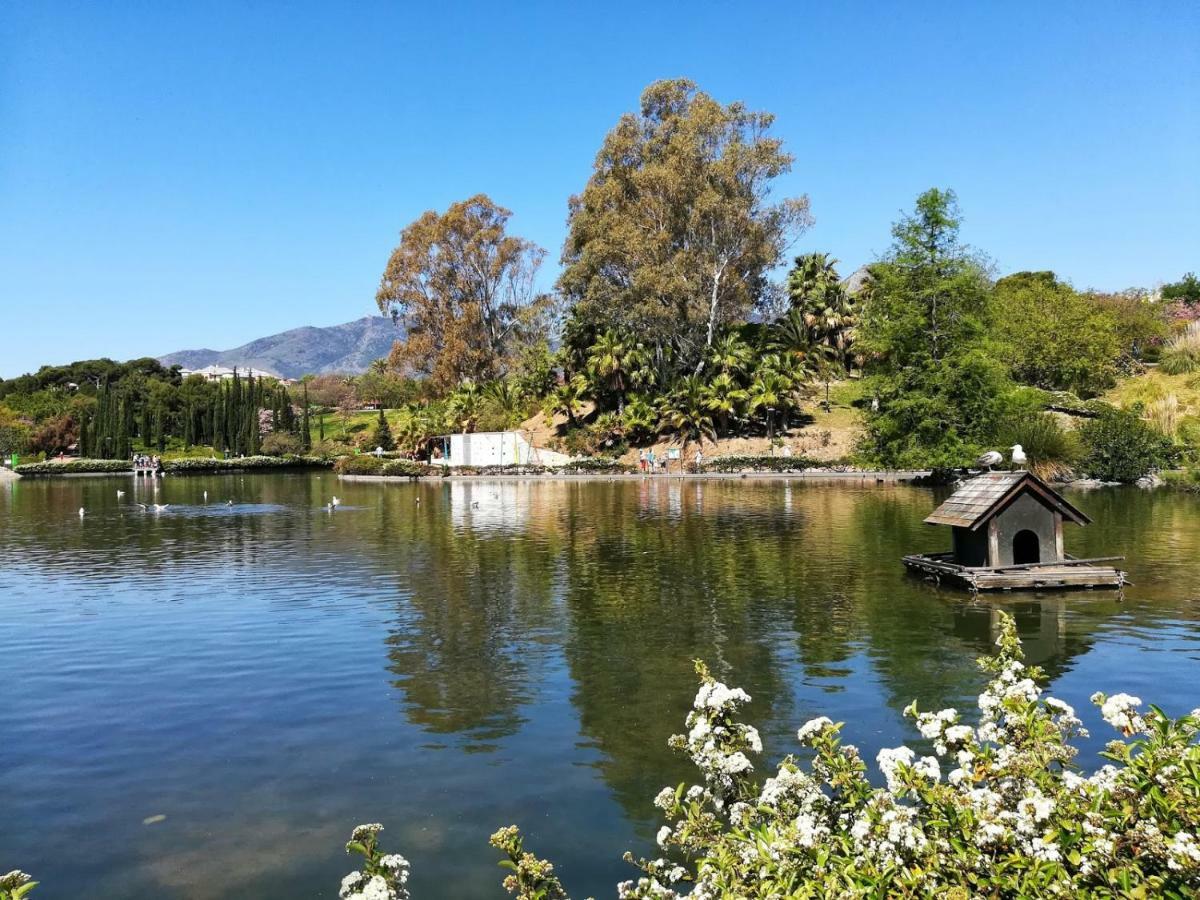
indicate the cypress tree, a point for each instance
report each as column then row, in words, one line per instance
column 383, row 433
column 144, row 432
column 305, row 434
column 84, row 446
column 321, row 425
column 160, row 434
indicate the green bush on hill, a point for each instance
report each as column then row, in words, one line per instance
column 1119, row 446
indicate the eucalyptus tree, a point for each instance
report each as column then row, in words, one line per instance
column 463, row 287
column 676, row 231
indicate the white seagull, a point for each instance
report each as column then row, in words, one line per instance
column 989, row 459
column 120, row 494
column 335, row 502
column 1018, row 455
column 81, row 511
column 206, row 496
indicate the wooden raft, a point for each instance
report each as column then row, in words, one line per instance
column 1061, row 574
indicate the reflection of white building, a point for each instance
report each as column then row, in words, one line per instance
column 490, row 505
column 493, row 448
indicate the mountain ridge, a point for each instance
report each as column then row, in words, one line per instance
column 350, row 347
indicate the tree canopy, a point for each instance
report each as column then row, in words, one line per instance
column 465, row 290
column 676, row 231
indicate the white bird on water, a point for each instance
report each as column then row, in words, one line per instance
column 1018, row 456
column 120, row 494
column 989, row 459
column 229, row 503
column 335, row 502
column 81, row 511
column 206, row 496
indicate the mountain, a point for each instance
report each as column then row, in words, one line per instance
column 350, row 348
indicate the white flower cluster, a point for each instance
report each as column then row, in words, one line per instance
column 14, row 879
column 715, row 743
column 1120, row 711
column 386, row 877
column 813, row 728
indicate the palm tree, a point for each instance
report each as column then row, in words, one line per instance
column 379, row 366
column 724, row 397
column 686, row 410
column 507, row 396
column 639, row 418
column 828, row 310
column 567, row 398
column 730, row 354
column 462, row 406
column 608, row 362
column 770, row 392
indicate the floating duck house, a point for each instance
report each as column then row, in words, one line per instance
column 1007, row 530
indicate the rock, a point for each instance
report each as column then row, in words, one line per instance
column 1149, row 481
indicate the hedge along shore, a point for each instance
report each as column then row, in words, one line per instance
column 866, row 477
column 91, row 468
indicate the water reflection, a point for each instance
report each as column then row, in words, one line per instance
column 449, row 657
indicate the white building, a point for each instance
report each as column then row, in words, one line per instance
column 224, row 373
column 493, row 448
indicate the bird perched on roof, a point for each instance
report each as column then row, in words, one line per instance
column 1018, row 456
column 989, row 459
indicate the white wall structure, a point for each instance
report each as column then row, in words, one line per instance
column 496, row 448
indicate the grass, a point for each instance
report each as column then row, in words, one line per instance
column 1153, row 391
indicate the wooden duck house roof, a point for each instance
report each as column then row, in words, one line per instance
column 985, row 496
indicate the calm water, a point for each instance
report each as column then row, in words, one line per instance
column 267, row 675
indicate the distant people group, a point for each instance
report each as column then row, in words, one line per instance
column 141, row 461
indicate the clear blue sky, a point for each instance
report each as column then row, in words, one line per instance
column 178, row 175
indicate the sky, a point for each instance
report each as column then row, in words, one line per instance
column 184, row 175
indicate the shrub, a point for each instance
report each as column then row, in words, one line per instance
column 212, row 464
column 74, row 466
column 359, row 465
column 396, row 467
column 759, row 464
column 280, row 443
column 1181, row 355
column 1186, row 480
column 1119, row 446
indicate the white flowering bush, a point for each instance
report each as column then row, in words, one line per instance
column 998, row 810
column 384, row 876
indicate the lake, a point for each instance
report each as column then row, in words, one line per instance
column 448, row 658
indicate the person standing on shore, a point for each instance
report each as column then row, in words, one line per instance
column 699, row 460
column 650, row 460
column 642, row 461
